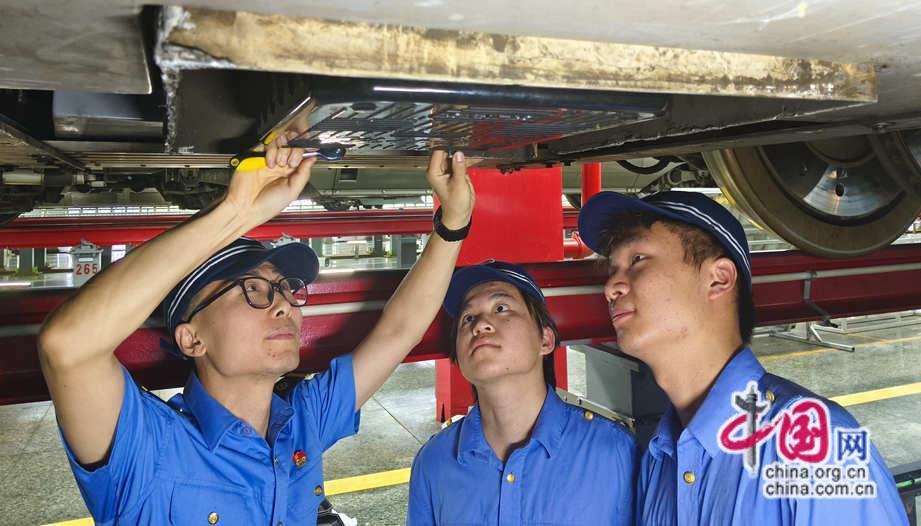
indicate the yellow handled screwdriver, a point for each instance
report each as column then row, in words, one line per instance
column 253, row 160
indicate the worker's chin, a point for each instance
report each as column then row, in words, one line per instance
column 629, row 344
column 283, row 358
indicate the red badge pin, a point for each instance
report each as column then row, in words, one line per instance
column 300, row 458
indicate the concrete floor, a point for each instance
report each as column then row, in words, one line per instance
column 36, row 486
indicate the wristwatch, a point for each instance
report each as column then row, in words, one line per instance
column 446, row 233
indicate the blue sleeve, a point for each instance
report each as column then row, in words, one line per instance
column 330, row 399
column 885, row 508
column 623, row 471
column 126, row 473
column 420, row 511
column 640, row 488
column 628, row 493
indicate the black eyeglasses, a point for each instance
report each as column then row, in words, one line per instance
column 260, row 293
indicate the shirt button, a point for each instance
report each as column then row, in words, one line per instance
column 770, row 396
column 689, row 477
column 318, row 491
column 213, row 517
column 510, row 478
column 275, row 460
column 589, row 415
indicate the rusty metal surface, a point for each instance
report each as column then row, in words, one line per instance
column 89, row 46
column 883, row 32
column 305, row 45
column 19, row 149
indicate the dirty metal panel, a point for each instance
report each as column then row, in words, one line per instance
column 303, row 45
column 407, row 126
column 72, row 45
column 20, row 150
column 373, row 116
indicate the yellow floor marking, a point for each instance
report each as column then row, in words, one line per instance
column 774, row 357
column 862, row 336
column 370, row 481
column 893, row 340
column 820, row 350
column 878, row 394
column 76, row 522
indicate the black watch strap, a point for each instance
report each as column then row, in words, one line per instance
column 446, row 233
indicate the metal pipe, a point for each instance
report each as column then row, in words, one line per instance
column 591, row 180
column 48, row 178
column 575, row 248
column 835, row 273
column 22, row 178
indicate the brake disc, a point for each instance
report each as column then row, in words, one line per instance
column 839, row 197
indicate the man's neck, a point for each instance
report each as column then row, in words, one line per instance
column 247, row 398
column 687, row 374
column 509, row 410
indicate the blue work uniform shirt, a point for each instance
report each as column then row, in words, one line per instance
column 687, row 479
column 577, row 468
column 190, row 461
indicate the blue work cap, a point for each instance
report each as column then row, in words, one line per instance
column 469, row 277
column 293, row 260
column 693, row 208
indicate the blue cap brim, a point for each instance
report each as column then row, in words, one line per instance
column 293, row 260
column 598, row 211
column 469, row 277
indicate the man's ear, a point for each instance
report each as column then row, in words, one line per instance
column 721, row 275
column 546, row 341
column 188, row 341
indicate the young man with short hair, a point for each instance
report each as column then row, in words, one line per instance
column 227, row 450
column 679, row 296
column 521, row 455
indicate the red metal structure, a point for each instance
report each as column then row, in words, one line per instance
column 344, row 307
column 518, row 216
column 591, row 180
column 133, row 230
column 573, row 247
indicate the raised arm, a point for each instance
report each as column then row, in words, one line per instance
column 416, row 301
column 77, row 341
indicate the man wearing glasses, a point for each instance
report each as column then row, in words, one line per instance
column 227, row 450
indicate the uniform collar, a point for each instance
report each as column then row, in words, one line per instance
column 548, row 430
column 472, row 443
column 214, row 420
column 713, row 412
column 666, row 435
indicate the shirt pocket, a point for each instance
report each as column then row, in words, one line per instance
column 193, row 503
